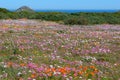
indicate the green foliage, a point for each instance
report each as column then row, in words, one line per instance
column 66, row 18
column 76, row 20
column 96, row 20
column 52, row 16
column 25, row 14
column 4, row 10
column 113, row 19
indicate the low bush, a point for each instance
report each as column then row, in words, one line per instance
column 66, row 18
column 76, row 21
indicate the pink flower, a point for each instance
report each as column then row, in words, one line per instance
column 32, row 65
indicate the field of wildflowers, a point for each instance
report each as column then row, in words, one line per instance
column 39, row 50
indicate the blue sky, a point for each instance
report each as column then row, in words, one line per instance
column 61, row 4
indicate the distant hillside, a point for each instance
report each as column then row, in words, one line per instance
column 4, row 10
column 24, row 8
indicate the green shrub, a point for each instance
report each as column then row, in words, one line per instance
column 113, row 20
column 76, row 21
column 3, row 16
column 96, row 20
column 4, row 10
column 65, row 18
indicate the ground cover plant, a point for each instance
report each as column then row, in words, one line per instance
column 40, row 50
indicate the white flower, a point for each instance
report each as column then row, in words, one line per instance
column 58, row 66
column 5, row 66
column 54, row 73
column 30, row 71
column 24, row 58
column 80, row 77
column 30, row 59
column 19, row 73
column 51, row 66
column 58, row 56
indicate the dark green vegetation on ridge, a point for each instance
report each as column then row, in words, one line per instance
column 81, row 18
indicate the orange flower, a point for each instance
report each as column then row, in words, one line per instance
column 62, row 70
column 52, row 69
column 33, row 75
column 93, row 67
column 22, row 64
column 47, row 70
column 95, row 71
column 92, row 73
column 20, row 78
column 80, row 72
column 80, row 66
column 50, row 74
column 10, row 64
column 86, row 74
column 85, row 68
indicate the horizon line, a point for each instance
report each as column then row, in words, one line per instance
column 69, row 9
